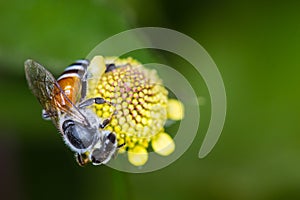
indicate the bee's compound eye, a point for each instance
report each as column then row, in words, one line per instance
column 77, row 135
column 112, row 137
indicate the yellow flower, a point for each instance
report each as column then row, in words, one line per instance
column 139, row 108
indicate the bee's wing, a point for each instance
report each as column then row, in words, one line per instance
column 44, row 86
column 42, row 83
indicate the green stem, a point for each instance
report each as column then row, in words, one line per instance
column 120, row 186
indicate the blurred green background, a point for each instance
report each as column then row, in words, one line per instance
column 255, row 44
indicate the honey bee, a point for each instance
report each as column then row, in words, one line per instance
column 64, row 102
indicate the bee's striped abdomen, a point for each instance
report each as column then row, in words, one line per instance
column 76, row 69
column 73, row 80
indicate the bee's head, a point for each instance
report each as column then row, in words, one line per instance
column 99, row 145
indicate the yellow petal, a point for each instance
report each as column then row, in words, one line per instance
column 138, row 156
column 175, row 109
column 163, row 144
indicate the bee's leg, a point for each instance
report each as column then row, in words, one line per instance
column 121, row 145
column 116, row 152
column 91, row 101
column 104, row 123
column 45, row 115
column 81, row 159
column 107, row 121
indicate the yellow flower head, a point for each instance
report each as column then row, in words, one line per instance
column 139, row 108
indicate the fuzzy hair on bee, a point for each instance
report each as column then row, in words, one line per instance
column 64, row 102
